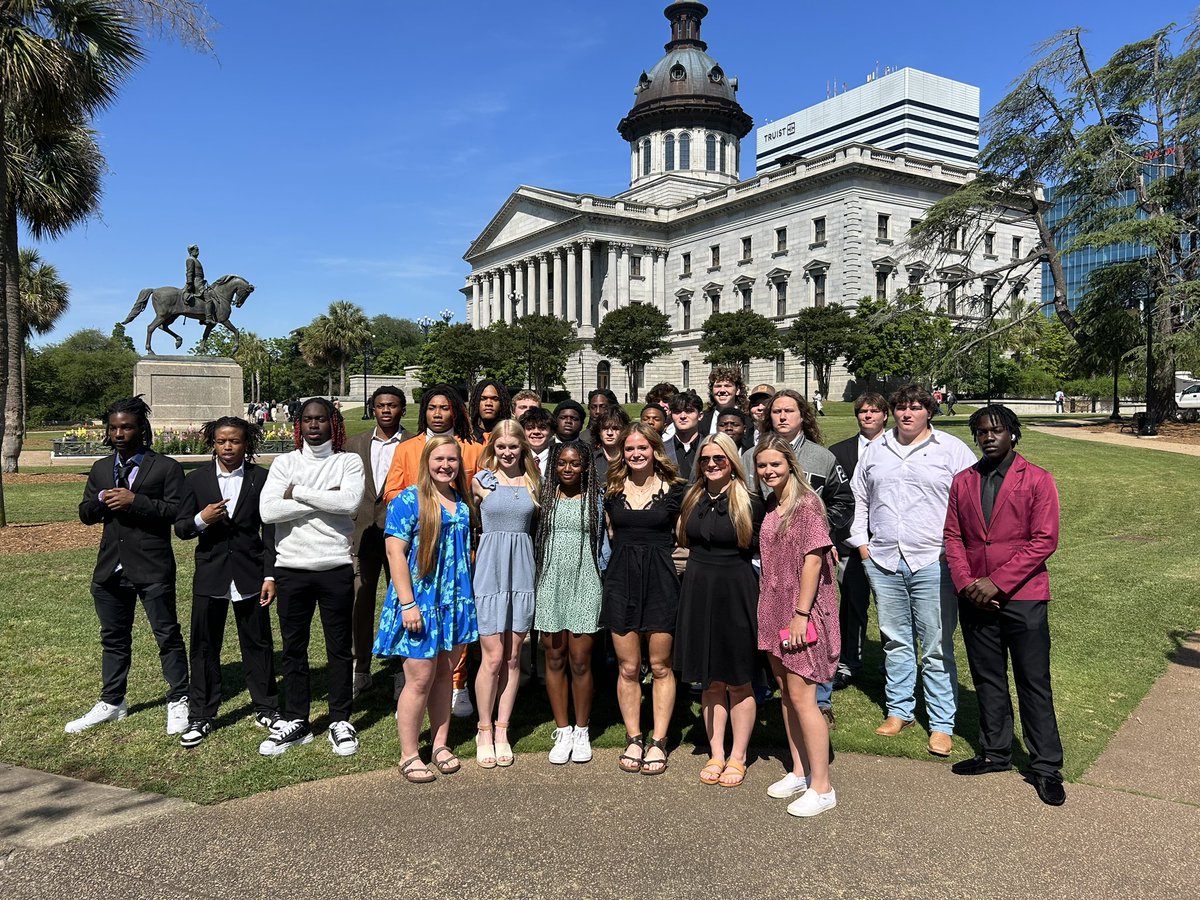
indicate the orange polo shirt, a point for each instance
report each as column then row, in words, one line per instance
column 407, row 463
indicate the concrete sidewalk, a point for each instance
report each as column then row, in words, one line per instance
column 1076, row 433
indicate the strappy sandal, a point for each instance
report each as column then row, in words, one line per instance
column 413, row 775
column 485, row 754
column 711, row 773
column 446, row 766
column 735, row 769
column 655, row 744
column 632, row 764
column 504, row 751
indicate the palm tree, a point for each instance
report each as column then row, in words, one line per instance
column 316, row 346
column 334, row 337
column 44, row 299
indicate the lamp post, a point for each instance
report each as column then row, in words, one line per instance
column 272, row 355
column 367, row 414
column 806, row 365
column 989, row 349
column 425, row 323
column 1144, row 293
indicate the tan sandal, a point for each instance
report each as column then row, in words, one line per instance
column 737, row 770
column 711, row 773
column 655, row 766
column 413, row 775
column 445, row 766
column 485, row 754
column 504, row 751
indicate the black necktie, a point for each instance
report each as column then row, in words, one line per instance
column 124, row 472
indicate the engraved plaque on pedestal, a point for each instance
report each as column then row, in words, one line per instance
column 189, row 390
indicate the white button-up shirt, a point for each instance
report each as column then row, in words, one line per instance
column 900, row 497
column 382, row 452
column 230, row 484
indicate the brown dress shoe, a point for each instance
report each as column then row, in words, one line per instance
column 830, row 721
column 940, row 743
column 892, row 726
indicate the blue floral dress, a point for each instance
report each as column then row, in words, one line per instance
column 444, row 595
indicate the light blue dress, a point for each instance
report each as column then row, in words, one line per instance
column 504, row 568
column 444, row 596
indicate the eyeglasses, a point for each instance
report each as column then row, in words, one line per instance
column 717, row 459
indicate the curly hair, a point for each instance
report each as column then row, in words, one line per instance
column 999, row 415
column 612, row 415
column 618, row 472
column 589, row 506
column 337, row 425
column 251, row 434
column 462, row 422
column 477, row 395
column 732, row 374
column 808, row 415
column 136, row 407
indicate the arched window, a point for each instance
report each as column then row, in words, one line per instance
column 646, row 156
column 669, row 152
column 685, row 150
column 723, row 142
column 603, row 375
column 710, row 153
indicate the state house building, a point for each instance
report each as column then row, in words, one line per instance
column 824, row 220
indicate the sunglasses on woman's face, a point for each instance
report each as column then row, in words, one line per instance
column 717, row 459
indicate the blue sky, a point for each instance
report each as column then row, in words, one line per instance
column 355, row 156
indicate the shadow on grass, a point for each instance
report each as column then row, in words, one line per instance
column 1186, row 650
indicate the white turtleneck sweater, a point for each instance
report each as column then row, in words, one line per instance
column 313, row 529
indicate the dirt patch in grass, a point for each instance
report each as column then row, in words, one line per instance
column 45, row 478
column 1173, row 432
column 47, row 537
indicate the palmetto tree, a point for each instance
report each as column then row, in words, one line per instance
column 44, row 299
column 334, row 337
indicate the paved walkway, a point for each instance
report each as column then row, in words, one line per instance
column 1074, row 431
column 903, row 828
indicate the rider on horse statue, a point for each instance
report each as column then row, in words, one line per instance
column 195, row 287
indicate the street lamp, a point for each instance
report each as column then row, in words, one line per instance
column 272, row 355
column 446, row 315
column 366, row 362
column 805, row 365
column 425, row 323
column 1143, row 295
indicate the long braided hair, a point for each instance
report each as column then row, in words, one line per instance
column 251, row 433
column 589, row 505
column 505, row 411
column 134, row 406
column 337, row 425
column 462, row 422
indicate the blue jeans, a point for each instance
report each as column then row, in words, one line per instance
column 825, row 695
column 914, row 606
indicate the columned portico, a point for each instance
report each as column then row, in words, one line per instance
column 506, row 305
column 476, row 311
column 586, row 319
column 572, row 311
column 558, row 305
column 610, row 279
column 544, row 284
column 530, row 287
column 519, row 288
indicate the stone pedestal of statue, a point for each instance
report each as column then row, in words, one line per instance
column 189, row 390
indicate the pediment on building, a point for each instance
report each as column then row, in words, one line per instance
column 713, row 288
column 886, row 262
column 683, row 294
column 526, row 212
column 954, row 272
column 777, row 273
column 743, row 281
column 816, row 265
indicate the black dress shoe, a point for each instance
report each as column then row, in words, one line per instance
column 841, row 681
column 979, row 765
column 1050, row 789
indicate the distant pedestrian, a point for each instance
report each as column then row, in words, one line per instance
column 1060, row 400
column 951, row 400
column 819, row 403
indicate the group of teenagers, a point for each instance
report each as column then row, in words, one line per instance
column 706, row 541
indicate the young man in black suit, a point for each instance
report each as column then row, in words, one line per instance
column 135, row 494
column 871, row 411
column 235, row 561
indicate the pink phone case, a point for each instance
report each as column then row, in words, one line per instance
column 810, row 634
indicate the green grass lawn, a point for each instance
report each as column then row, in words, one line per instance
column 1124, row 594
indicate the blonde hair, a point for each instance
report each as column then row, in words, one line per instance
column 527, row 461
column 797, row 490
column 429, row 508
column 740, row 511
column 618, row 470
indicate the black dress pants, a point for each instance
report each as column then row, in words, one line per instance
column 116, row 600
column 299, row 593
column 1019, row 630
column 368, row 564
column 258, row 654
column 855, row 591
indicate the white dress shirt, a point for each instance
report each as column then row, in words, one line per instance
column 900, row 497
column 382, row 451
column 230, row 484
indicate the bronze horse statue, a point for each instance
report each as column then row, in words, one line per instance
column 227, row 292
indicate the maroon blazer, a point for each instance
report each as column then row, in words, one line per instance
column 1013, row 550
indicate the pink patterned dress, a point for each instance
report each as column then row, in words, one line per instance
column 779, row 592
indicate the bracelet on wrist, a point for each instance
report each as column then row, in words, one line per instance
column 405, row 607
column 801, row 612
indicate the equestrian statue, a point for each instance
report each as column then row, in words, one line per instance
column 210, row 303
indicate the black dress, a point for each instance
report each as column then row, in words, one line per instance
column 717, row 636
column 641, row 589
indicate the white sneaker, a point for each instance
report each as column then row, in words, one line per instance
column 362, row 682
column 789, row 785
column 177, row 716
column 581, row 745
column 564, row 743
column 344, row 738
column 460, row 704
column 101, row 712
column 812, row 804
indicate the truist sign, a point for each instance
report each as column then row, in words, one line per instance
column 782, row 131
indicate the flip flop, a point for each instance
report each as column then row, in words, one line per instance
column 711, row 773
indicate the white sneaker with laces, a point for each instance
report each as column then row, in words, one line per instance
column 344, row 738
column 460, row 704
column 812, row 804
column 789, row 785
column 564, row 743
column 101, row 712
column 581, row 745
column 177, row 716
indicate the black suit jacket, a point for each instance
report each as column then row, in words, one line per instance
column 240, row 550
column 846, row 454
column 138, row 539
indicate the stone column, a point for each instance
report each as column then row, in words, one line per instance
column 610, row 277
column 572, row 311
column 586, row 319
column 506, row 314
column 530, row 287
column 476, row 312
column 662, row 280
column 655, row 297
column 621, row 285
column 544, row 283
column 519, row 288
column 493, row 294
column 624, row 262
column 557, row 305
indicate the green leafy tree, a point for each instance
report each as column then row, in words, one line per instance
column 633, row 335
column 404, row 336
column 821, row 335
column 44, row 298
column 543, row 344
column 454, row 354
column 899, row 339
column 1056, row 352
column 1113, row 329
column 735, row 338
column 79, row 377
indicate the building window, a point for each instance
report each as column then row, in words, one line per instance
column 781, row 298
column 550, row 285
column 952, row 299
column 818, row 280
column 915, row 277
column 780, row 240
column 881, row 280
column 687, row 264
column 710, row 152
column 779, row 370
column 747, row 298
column 913, row 224
column 989, row 290
column 715, row 259
column 881, row 228
column 819, row 230
column 723, row 143
column 685, row 151
column 687, row 374
column 746, row 372
column 635, row 266
column 715, row 300
column 687, row 315
column 952, row 240
column 646, row 156
column 1016, row 250
column 989, row 243
column 747, row 246
column 669, row 152
column 603, row 375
